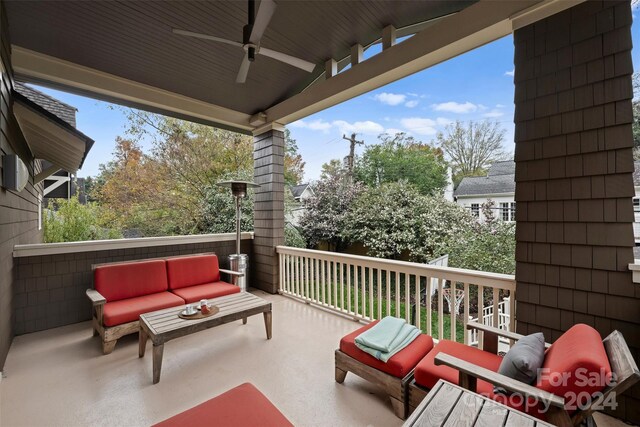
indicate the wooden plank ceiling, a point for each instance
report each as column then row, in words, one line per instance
column 133, row 40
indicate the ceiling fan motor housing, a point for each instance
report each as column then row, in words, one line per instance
column 246, row 35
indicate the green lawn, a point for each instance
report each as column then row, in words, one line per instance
column 363, row 309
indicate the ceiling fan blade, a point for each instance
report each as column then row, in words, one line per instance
column 288, row 59
column 205, row 37
column 263, row 17
column 244, row 70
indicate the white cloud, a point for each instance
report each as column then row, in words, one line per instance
column 318, row 124
column 510, row 73
column 456, row 107
column 499, row 106
column 493, row 114
column 411, row 104
column 365, row 127
column 393, row 131
column 390, row 98
column 419, row 125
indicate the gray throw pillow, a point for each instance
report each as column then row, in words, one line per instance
column 524, row 359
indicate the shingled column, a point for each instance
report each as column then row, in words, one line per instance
column 574, row 184
column 268, row 166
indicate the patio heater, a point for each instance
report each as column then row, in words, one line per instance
column 239, row 262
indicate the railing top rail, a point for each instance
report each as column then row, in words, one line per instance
column 482, row 278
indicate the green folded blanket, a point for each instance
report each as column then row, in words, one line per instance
column 387, row 338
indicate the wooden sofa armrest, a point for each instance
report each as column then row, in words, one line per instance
column 491, row 334
column 470, row 373
column 232, row 273
column 474, row 372
column 95, row 297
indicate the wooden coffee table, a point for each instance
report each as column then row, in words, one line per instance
column 164, row 325
column 448, row 405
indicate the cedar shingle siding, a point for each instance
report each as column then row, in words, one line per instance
column 268, row 224
column 574, row 168
column 18, row 210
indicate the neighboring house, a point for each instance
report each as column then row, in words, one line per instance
column 61, row 184
column 300, row 193
column 499, row 186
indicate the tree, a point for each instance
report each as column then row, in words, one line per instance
column 472, row 148
column 395, row 221
column 402, row 157
column 325, row 212
column 71, row 221
column 293, row 163
column 635, row 105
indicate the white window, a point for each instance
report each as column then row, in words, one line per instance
column 475, row 209
column 636, row 204
column 513, row 211
column 505, row 211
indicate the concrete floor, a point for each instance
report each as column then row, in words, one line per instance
column 60, row 377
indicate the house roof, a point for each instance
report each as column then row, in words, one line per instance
column 56, row 107
column 477, row 185
column 297, row 190
column 507, row 167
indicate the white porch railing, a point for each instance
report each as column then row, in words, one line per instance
column 368, row 288
column 488, row 317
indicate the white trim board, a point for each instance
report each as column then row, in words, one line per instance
column 108, row 245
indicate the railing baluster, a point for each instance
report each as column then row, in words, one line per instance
column 480, row 314
column 342, row 305
column 407, row 297
column 349, row 288
column 496, row 310
column 296, row 270
column 379, row 294
column 465, row 318
column 388, row 286
column 418, row 304
column 428, row 310
column 397, row 294
column 355, row 289
column 316, row 281
column 363, row 302
column 452, row 312
column 335, row 284
column 323, row 280
column 440, row 309
column 371, row 313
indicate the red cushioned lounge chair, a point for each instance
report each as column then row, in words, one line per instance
column 581, row 347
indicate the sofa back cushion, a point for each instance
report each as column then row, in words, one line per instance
column 130, row 279
column 575, row 363
column 192, row 270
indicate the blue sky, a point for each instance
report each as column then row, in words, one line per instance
column 475, row 86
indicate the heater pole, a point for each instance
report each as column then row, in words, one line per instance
column 238, row 200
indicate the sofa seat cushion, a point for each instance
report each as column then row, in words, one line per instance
column 206, row 291
column 581, row 358
column 242, row 406
column 400, row 364
column 192, row 270
column 130, row 279
column 128, row 310
column 427, row 373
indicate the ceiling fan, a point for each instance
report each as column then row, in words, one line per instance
column 251, row 35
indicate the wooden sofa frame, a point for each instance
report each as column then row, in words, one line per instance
column 109, row 335
column 622, row 364
column 394, row 387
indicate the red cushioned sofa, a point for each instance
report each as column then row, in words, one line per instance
column 577, row 354
column 125, row 290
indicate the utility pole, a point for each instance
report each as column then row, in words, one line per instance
column 352, row 152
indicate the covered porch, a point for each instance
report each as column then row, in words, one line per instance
column 573, row 154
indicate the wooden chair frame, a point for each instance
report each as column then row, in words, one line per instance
column 394, row 387
column 622, row 364
column 109, row 335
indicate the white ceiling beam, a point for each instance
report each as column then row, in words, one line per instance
column 388, row 37
column 477, row 25
column 357, row 54
column 45, row 174
column 57, row 72
column 330, row 68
